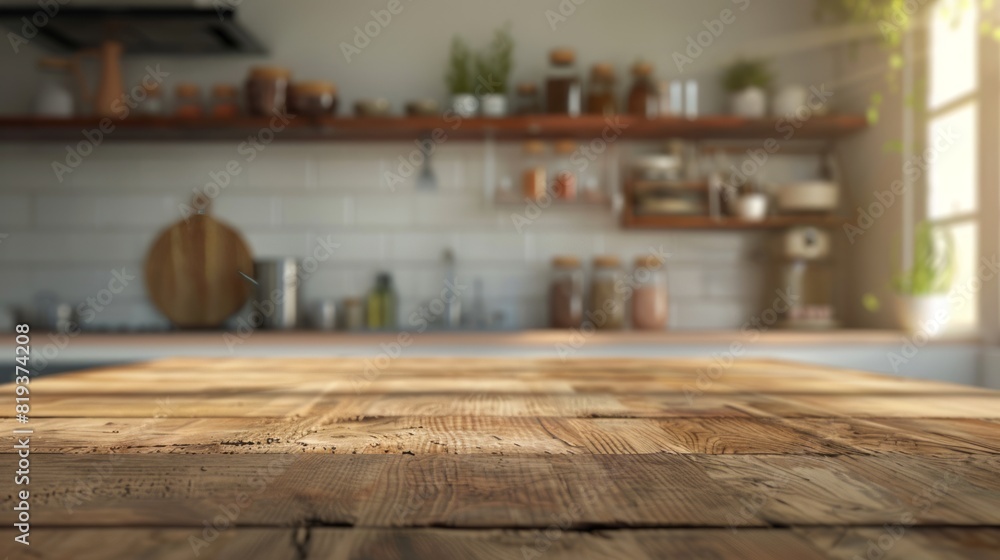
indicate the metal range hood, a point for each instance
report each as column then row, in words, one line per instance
column 164, row 30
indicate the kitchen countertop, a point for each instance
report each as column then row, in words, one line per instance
column 469, row 458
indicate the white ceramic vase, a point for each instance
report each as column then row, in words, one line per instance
column 752, row 207
column 923, row 314
column 750, row 103
column 464, row 104
column 493, row 105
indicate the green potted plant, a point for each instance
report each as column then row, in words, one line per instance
column 747, row 82
column 493, row 73
column 922, row 289
column 459, row 79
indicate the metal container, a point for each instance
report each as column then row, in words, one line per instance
column 325, row 315
column 277, row 295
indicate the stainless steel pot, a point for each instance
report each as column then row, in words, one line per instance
column 277, row 295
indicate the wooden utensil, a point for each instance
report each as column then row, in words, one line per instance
column 193, row 270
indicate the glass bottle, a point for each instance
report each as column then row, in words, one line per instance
column 382, row 304
column 649, row 296
column 566, row 293
column 643, row 98
column 564, row 179
column 563, row 91
column 535, row 177
column 528, row 102
column 607, row 299
column 601, row 93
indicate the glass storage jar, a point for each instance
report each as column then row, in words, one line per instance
column 563, row 91
column 607, row 294
column 564, row 176
column 225, row 104
column 267, row 90
column 601, row 93
column 649, row 295
column 528, row 102
column 534, row 178
column 644, row 97
column 566, row 293
column 187, row 101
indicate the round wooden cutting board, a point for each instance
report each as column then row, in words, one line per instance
column 192, row 271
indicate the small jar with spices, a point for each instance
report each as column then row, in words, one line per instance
column 267, row 90
column 187, row 101
column 566, row 293
column 534, row 179
column 225, row 101
column 649, row 295
column 601, row 93
column 644, row 97
column 564, row 176
column 563, row 90
column 312, row 99
column 607, row 293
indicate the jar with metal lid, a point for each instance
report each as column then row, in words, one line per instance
column 225, row 101
column 566, row 293
column 563, row 91
column 644, row 97
column 535, row 176
column 312, row 99
column 564, row 176
column 607, row 294
column 528, row 102
column 649, row 294
column 187, row 101
column 267, row 90
column 601, row 93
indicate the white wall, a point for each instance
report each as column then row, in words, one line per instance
column 68, row 236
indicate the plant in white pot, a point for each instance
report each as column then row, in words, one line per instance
column 493, row 73
column 747, row 82
column 459, row 79
column 922, row 303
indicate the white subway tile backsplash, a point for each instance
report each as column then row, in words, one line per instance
column 137, row 211
column 384, row 210
column 491, row 247
column 300, row 199
column 15, row 211
column 272, row 245
column 349, row 246
column 63, row 212
column 419, row 246
column 310, row 210
column 242, row 211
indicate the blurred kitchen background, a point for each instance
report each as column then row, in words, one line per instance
column 792, row 176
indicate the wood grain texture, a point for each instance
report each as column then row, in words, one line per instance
column 506, row 458
column 192, row 272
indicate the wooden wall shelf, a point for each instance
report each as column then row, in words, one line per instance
column 707, row 222
column 21, row 129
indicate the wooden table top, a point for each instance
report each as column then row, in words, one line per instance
column 501, row 458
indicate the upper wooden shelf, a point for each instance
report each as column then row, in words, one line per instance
column 408, row 128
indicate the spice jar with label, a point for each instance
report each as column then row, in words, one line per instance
column 601, row 93
column 566, row 293
column 225, row 104
column 563, row 90
column 644, row 97
column 187, row 101
column 607, row 294
column 535, row 177
column 528, row 101
column 564, row 180
column 649, row 296
column 312, row 99
column 267, row 90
